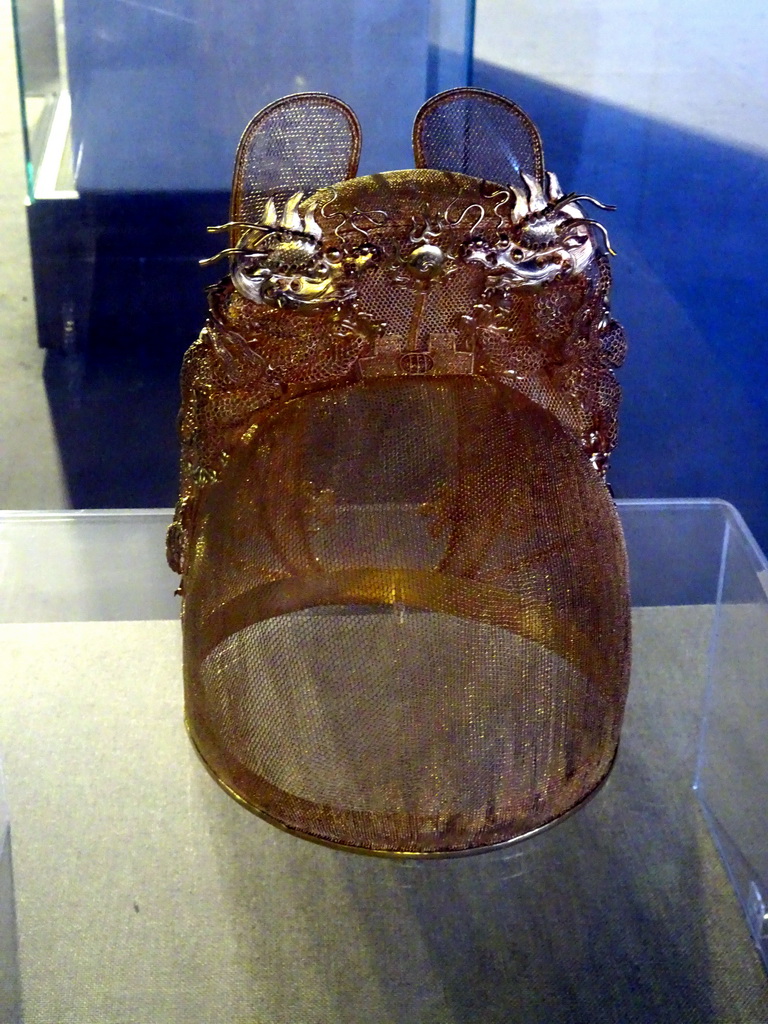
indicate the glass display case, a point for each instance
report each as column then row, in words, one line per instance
column 132, row 114
column 145, row 893
column 10, row 989
column 141, row 891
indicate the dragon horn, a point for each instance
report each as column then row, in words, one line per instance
column 291, row 219
column 520, row 210
column 311, row 226
column 536, row 200
column 553, row 187
column 270, row 213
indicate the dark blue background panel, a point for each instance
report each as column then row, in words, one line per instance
column 690, row 286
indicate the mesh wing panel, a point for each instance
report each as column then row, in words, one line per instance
column 480, row 134
column 406, row 611
column 299, row 142
column 406, row 618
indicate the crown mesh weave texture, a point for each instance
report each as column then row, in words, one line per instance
column 271, row 156
column 405, row 598
column 406, row 627
column 477, row 133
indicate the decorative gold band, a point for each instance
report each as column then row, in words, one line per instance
column 260, row 812
column 422, row 589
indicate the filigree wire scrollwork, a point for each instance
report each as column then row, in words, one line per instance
column 405, row 397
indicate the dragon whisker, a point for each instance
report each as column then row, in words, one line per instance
column 566, row 228
column 234, row 251
column 574, row 197
column 472, row 206
column 237, row 224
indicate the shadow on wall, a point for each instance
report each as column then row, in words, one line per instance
column 690, row 286
column 113, row 386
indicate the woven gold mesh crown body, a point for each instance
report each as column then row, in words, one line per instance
column 405, row 601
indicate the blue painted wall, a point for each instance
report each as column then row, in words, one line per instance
column 690, row 286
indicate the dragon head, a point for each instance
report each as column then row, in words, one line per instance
column 549, row 238
column 285, row 263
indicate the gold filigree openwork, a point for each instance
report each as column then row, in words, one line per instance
column 395, row 427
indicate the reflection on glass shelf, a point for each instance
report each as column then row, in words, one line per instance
column 42, row 66
column 732, row 775
column 161, row 92
column 54, row 172
column 626, row 896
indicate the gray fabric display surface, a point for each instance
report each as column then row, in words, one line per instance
column 144, row 894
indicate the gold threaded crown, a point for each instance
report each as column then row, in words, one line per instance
column 405, row 598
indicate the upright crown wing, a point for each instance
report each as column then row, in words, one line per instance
column 478, row 133
column 300, row 142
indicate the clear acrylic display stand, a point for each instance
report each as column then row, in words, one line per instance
column 732, row 773
column 145, row 893
column 10, row 994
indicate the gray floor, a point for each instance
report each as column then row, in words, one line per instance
column 30, row 469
